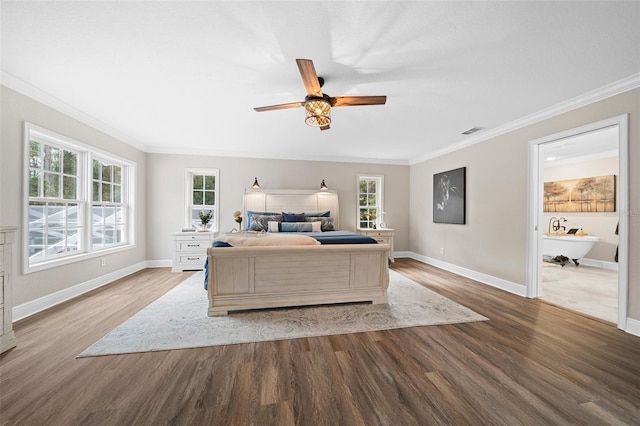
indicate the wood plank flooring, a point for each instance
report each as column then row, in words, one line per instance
column 532, row 363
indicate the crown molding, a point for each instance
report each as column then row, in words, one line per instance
column 620, row 86
column 14, row 83
column 20, row 86
column 276, row 156
column 612, row 89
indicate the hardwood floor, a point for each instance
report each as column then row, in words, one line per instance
column 532, row 363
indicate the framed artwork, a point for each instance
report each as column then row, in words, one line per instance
column 449, row 196
column 586, row 195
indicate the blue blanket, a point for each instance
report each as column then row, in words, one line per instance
column 328, row 237
column 340, row 237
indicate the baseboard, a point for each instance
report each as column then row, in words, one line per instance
column 633, row 326
column 167, row 263
column 612, row 266
column 496, row 282
column 400, row 254
column 33, row 307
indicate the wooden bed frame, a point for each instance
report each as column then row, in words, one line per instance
column 243, row 278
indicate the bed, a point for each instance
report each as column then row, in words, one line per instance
column 256, row 270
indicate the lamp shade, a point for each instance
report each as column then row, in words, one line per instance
column 255, row 185
column 323, row 186
column 318, row 112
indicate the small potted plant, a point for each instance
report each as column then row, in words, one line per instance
column 205, row 218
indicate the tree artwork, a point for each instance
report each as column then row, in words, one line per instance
column 585, row 195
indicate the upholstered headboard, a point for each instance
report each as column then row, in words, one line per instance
column 292, row 200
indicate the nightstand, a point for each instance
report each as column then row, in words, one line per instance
column 190, row 250
column 382, row 235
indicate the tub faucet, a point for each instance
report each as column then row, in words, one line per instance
column 564, row 228
column 550, row 222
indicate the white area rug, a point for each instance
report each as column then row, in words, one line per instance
column 179, row 320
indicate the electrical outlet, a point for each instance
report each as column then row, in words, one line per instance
column 103, row 261
column 441, row 250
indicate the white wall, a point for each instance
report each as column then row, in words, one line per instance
column 16, row 109
column 490, row 242
column 166, row 186
column 493, row 241
column 602, row 225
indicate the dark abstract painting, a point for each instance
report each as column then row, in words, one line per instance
column 449, row 196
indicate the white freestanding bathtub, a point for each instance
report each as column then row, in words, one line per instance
column 569, row 246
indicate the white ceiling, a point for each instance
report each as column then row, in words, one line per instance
column 184, row 76
column 601, row 143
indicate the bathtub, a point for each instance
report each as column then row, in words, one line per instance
column 571, row 247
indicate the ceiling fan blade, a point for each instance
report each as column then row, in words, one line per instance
column 280, row 106
column 339, row 101
column 324, row 127
column 309, row 77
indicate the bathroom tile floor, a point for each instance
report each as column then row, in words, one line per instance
column 586, row 289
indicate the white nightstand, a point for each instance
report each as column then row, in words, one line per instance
column 190, row 250
column 382, row 235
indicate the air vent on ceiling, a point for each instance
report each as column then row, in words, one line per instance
column 473, row 130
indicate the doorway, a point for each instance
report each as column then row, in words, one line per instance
column 577, row 140
column 589, row 162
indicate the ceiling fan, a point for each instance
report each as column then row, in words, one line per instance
column 317, row 105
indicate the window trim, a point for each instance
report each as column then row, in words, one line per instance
column 124, row 197
column 188, row 179
column 86, row 154
column 379, row 195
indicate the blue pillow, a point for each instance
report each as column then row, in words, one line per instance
column 318, row 214
column 260, row 222
column 293, row 217
column 295, row 227
column 251, row 213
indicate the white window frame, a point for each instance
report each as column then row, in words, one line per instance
column 123, row 204
column 86, row 154
column 379, row 198
column 189, row 173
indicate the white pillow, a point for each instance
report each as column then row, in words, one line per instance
column 273, row 226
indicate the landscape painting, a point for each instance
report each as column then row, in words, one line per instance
column 586, row 195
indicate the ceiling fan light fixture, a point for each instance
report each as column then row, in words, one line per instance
column 318, row 112
column 317, row 105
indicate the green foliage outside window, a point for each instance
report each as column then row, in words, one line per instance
column 204, row 193
column 203, row 199
column 107, row 182
column 53, row 172
column 368, row 202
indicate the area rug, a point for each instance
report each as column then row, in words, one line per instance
column 178, row 320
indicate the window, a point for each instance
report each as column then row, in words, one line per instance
column 107, row 208
column 370, row 188
column 54, row 200
column 202, row 197
column 73, row 209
